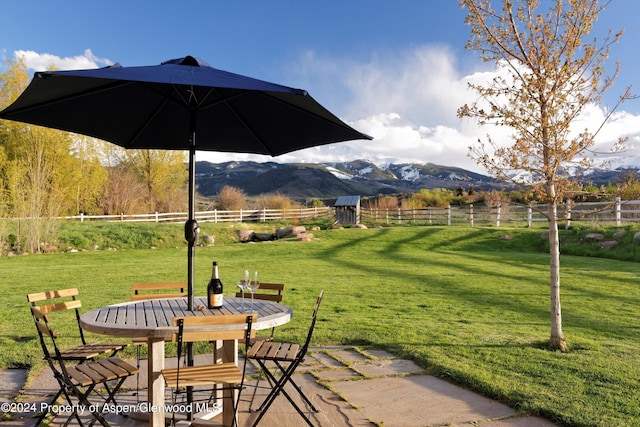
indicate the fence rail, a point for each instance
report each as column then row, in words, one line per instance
column 242, row 215
column 617, row 212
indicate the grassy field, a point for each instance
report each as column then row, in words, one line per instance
column 467, row 305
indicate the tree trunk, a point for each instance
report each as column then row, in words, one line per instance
column 557, row 340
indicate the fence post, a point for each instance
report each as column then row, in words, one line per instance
column 567, row 207
column 399, row 216
column 448, row 214
column 121, row 217
column 215, row 216
column 157, row 218
column 81, row 216
column 618, row 212
column 498, row 216
column 529, row 216
column 240, row 215
column 429, row 214
column 471, row 214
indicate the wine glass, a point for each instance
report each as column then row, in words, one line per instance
column 253, row 285
column 242, row 284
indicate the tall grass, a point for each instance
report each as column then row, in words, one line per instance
column 465, row 303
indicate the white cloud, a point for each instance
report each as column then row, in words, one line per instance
column 43, row 61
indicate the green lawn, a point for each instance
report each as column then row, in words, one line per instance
column 467, row 305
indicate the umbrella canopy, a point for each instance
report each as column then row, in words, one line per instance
column 159, row 107
column 181, row 104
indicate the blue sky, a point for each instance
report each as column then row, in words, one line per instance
column 396, row 70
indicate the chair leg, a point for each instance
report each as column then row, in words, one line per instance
column 257, row 386
column 138, row 374
column 51, row 403
column 290, row 380
column 299, row 390
column 279, row 388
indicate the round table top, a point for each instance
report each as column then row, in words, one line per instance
column 154, row 317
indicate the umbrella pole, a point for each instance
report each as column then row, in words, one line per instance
column 191, row 234
column 191, row 226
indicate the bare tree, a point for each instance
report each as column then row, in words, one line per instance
column 231, row 198
column 121, row 194
column 549, row 74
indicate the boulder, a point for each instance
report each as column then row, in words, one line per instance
column 608, row 244
column 263, row 237
column 245, row 235
column 208, row 240
column 636, row 238
column 619, row 234
column 305, row 237
column 290, row 231
column 360, row 226
column 594, row 236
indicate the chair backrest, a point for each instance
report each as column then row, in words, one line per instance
column 313, row 324
column 197, row 328
column 58, row 300
column 47, row 334
column 194, row 328
column 275, row 293
column 158, row 290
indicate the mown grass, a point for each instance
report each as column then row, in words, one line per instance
column 464, row 303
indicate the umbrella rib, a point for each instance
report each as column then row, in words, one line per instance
column 329, row 117
column 240, row 118
column 147, row 122
column 82, row 94
column 166, row 97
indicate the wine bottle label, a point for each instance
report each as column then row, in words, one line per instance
column 216, row 300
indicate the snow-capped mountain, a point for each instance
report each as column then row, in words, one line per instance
column 326, row 180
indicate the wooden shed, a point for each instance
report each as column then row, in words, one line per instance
column 348, row 209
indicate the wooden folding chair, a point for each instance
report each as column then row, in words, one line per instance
column 145, row 291
column 286, row 357
column 79, row 381
column 158, row 290
column 266, row 292
column 67, row 299
column 227, row 375
column 59, row 301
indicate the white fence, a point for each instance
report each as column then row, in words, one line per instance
column 616, row 212
column 242, row 215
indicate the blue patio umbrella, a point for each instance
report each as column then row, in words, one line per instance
column 181, row 104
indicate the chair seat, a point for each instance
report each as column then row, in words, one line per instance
column 100, row 371
column 190, row 376
column 272, row 350
column 90, row 351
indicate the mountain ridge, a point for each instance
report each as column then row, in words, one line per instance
column 357, row 177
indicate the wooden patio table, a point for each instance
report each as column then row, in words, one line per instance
column 153, row 319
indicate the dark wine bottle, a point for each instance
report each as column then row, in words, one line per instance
column 214, row 289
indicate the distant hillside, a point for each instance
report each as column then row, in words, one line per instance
column 324, row 180
column 359, row 177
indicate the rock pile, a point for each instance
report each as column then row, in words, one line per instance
column 290, row 232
